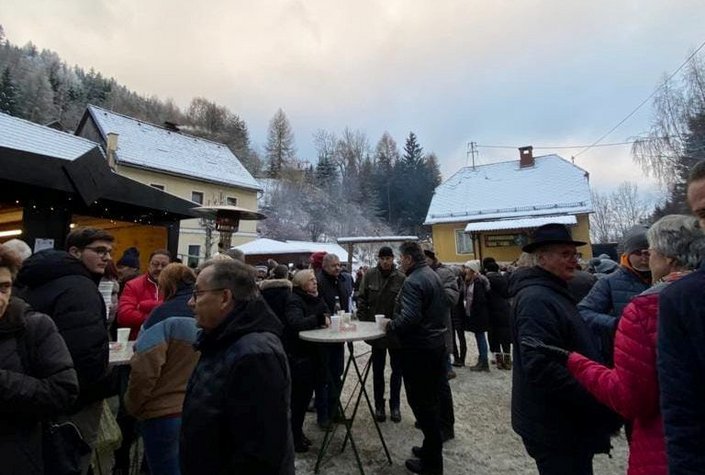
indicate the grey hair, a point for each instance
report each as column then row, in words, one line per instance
column 329, row 257
column 302, row 276
column 235, row 276
column 20, row 247
column 678, row 237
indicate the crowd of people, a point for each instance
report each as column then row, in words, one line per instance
column 220, row 381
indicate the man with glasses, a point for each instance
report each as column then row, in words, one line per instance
column 603, row 305
column 235, row 416
column 561, row 424
column 64, row 285
column 141, row 294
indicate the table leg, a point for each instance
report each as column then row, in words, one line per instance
column 362, row 377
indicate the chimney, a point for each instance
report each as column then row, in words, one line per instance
column 526, row 156
column 111, row 150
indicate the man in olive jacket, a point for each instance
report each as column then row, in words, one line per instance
column 419, row 324
column 378, row 291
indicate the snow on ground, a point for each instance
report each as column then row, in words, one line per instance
column 484, row 442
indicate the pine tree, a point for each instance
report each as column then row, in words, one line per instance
column 280, row 144
column 8, row 93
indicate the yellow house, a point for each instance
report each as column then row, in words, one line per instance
column 196, row 169
column 491, row 210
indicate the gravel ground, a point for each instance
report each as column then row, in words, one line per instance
column 484, row 441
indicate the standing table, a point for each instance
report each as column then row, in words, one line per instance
column 364, row 331
column 120, row 355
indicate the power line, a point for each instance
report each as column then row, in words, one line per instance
column 558, row 147
column 642, row 102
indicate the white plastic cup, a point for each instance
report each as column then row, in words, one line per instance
column 379, row 320
column 335, row 323
column 346, row 318
column 123, row 334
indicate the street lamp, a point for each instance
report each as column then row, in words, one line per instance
column 227, row 219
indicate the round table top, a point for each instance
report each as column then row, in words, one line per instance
column 364, row 331
column 120, row 355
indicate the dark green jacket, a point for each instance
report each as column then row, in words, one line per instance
column 377, row 296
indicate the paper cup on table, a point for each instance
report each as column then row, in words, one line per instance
column 335, row 323
column 123, row 334
column 379, row 320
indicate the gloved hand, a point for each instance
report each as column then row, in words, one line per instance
column 553, row 352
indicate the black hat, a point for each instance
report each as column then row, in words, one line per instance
column 551, row 233
column 635, row 239
column 429, row 253
column 385, row 251
column 130, row 258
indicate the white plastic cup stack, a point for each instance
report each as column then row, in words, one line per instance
column 123, row 334
column 379, row 320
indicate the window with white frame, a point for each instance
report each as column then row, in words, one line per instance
column 463, row 242
column 197, row 197
column 231, row 201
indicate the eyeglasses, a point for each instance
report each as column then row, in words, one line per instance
column 101, row 251
column 642, row 253
column 196, row 293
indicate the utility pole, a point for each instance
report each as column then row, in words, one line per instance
column 472, row 150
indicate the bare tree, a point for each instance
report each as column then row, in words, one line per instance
column 280, row 148
column 617, row 212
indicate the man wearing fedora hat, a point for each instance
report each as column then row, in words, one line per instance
column 561, row 424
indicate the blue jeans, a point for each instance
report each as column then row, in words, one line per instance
column 161, row 445
column 481, row 340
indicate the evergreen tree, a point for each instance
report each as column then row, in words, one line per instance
column 280, row 144
column 8, row 93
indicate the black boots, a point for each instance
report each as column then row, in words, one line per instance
column 394, row 414
column 482, row 365
column 504, row 361
column 380, row 414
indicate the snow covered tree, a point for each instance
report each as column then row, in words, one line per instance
column 8, row 93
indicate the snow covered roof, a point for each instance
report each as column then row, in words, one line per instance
column 20, row 134
column 149, row 146
column 521, row 223
column 270, row 246
column 552, row 186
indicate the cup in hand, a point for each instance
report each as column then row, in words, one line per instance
column 123, row 334
column 379, row 320
column 335, row 323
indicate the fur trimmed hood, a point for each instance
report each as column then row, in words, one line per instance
column 274, row 284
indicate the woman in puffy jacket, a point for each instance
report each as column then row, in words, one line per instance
column 37, row 379
column 676, row 245
column 305, row 310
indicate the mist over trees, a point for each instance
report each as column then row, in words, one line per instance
column 350, row 188
column 676, row 138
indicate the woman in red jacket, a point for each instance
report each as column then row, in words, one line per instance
column 676, row 245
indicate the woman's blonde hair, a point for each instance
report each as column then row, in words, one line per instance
column 174, row 276
column 302, row 276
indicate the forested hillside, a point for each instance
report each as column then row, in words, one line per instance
column 350, row 187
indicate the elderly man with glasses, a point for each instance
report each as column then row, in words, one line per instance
column 235, row 417
column 561, row 424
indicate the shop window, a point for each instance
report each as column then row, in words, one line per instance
column 463, row 242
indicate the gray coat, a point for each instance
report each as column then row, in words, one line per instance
column 377, row 296
column 452, row 293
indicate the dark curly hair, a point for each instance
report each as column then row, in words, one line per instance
column 10, row 259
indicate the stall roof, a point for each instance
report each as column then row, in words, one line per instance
column 270, row 246
column 522, row 223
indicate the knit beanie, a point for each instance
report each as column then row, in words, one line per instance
column 130, row 258
column 635, row 240
column 385, row 251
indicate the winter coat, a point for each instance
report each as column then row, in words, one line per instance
column 457, row 312
column 499, row 308
column 421, row 310
column 377, row 296
column 139, row 297
column 581, row 284
column 631, row 388
column 276, row 292
column 236, row 411
column 450, row 289
column 59, row 285
column 37, row 381
column 176, row 306
column 302, row 312
column 160, row 368
column 681, row 372
column 478, row 321
column 330, row 287
column 549, row 406
column 604, row 304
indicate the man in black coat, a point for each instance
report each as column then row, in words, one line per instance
column 331, row 286
column 64, row 285
column 561, row 424
column 419, row 324
column 236, row 411
column 681, row 355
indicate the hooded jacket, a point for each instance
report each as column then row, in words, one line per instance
column 236, row 411
column 549, row 406
column 59, row 285
column 139, row 297
column 176, row 306
column 276, row 292
column 37, row 381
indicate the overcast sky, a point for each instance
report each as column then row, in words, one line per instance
column 496, row 72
